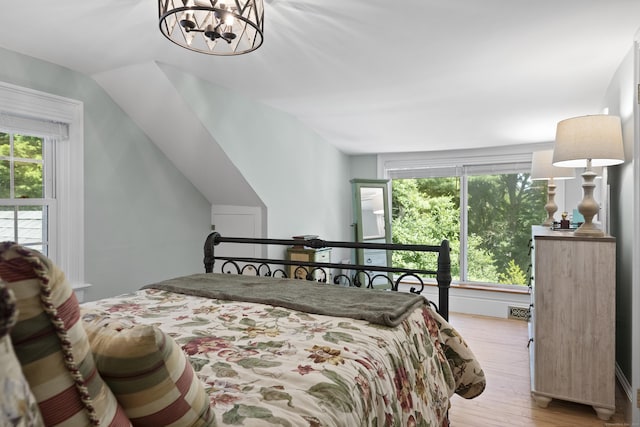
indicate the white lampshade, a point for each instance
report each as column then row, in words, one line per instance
column 542, row 167
column 597, row 138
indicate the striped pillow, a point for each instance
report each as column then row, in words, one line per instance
column 19, row 406
column 148, row 372
column 52, row 346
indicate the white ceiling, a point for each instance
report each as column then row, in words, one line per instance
column 373, row 76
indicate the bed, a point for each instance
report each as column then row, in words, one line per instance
column 253, row 349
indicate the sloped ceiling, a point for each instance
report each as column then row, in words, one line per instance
column 147, row 96
column 370, row 76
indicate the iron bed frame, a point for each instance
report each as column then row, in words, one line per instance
column 360, row 276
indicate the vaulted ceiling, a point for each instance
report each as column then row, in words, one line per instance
column 372, row 76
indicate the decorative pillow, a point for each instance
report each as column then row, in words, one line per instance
column 18, row 406
column 148, row 372
column 52, row 346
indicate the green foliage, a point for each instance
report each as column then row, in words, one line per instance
column 417, row 219
column 513, row 275
column 481, row 263
column 501, row 210
column 27, row 167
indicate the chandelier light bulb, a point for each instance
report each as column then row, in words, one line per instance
column 211, row 33
column 188, row 22
column 229, row 36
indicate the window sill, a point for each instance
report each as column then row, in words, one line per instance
column 506, row 289
column 509, row 289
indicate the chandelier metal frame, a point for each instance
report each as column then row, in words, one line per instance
column 213, row 27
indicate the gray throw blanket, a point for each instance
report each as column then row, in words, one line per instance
column 375, row 306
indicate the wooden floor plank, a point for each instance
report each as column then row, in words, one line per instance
column 501, row 347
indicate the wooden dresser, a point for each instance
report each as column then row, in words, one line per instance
column 572, row 324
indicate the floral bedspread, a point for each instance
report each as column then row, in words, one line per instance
column 270, row 366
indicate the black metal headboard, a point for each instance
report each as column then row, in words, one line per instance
column 360, row 276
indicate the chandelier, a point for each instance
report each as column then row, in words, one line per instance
column 230, row 27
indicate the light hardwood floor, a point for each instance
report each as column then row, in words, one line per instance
column 501, row 347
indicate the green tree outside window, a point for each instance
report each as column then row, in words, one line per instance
column 500, row 212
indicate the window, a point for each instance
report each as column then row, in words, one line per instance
column 26, row 192
column 42, row 141
column 484, row 206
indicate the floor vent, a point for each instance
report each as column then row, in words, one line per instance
column 519, row 313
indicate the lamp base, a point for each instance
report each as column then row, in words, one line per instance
column 551, row 206
column 588, row 230
column 588, row 207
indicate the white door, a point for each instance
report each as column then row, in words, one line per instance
column 237, row 221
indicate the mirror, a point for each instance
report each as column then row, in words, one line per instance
column 371, row 220
column 372, row 209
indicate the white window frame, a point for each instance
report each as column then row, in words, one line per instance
column 67, row 233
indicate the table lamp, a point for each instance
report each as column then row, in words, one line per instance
column 588, row 141
column 542, row 169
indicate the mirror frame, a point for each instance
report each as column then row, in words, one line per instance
column 357, row 186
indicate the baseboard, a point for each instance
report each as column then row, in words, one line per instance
column 624, row 383
column 628, row 392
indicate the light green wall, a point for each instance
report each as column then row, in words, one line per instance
column 364, row 166
column 623, row 219
column 144, row 221
column 302, row 180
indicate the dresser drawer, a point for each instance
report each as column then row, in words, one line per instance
column 323, row 256
column 375, row 257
